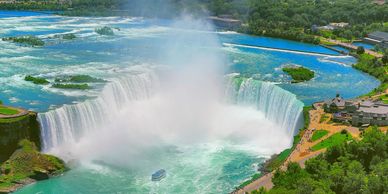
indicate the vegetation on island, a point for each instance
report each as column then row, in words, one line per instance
column 70, row 36
column 299, row 74
column 26, row 165
column 74, row 80
column 36, row 80
column 349, row 167
column 107, row 31
column 80, row 79
column 72, row 86
column 25, row 40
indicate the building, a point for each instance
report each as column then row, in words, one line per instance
column 339, row 25
column 377, row 38
column 357, row 113
column 333, row 26
column 379, row 2
column 334, row 105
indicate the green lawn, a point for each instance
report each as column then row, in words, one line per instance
column 8, row 111
column 335, row 139
column 12, row 120
column 323, row 118
column 384, row 99
column 319, row 134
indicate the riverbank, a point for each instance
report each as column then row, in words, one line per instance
column 21, row 163
column 27, row 165
column 318, row 119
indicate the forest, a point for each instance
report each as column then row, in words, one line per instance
column 289, row 19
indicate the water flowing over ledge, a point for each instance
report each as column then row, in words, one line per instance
column 70, row 122
column 279, row 106
column 66, row 125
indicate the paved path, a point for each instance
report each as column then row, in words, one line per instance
column 22, row 112
column 353, row 47
column 302, row 151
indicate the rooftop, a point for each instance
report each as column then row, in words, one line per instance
column 338, row 101
column 375, row 109
column 383, row 36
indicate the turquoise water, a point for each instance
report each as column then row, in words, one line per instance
column 365, row 45
column 215, row 167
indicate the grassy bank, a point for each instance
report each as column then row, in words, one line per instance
column 348, row 167
column 278, row 159
column 27, row 164
column 8, row 111
column 333, row 140
column 374, row 67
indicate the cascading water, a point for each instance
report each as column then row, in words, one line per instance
column 278, row 105
column 70, row 122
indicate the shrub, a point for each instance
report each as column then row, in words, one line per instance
column 360, row 50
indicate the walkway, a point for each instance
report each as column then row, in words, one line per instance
column 281, row 50
column 353, row 47
column 302, row 151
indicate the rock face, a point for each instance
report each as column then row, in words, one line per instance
column 13, row 130
column 27, row 165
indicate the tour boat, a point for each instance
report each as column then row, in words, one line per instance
column 158, row 175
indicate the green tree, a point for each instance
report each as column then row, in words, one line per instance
column 360, row 50
column 385, row 59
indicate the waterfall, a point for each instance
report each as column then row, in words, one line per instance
column 279, row 106
column 67, row 124
column 70, row 122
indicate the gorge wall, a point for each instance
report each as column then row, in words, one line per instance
column 12, row 131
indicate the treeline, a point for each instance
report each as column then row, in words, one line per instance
column 375, row 67
column 290, row 19
column 352, row 167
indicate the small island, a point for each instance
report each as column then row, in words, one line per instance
column 298, row 73
column 69, row 36
column 36, row 80
column 107, row 31
column 80, row 79
column 72, row 86
column 25, row 40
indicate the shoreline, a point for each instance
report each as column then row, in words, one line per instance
column 275, row 37
column 265, row 180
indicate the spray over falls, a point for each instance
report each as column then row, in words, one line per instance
column 123, row 103
column 187, row 103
